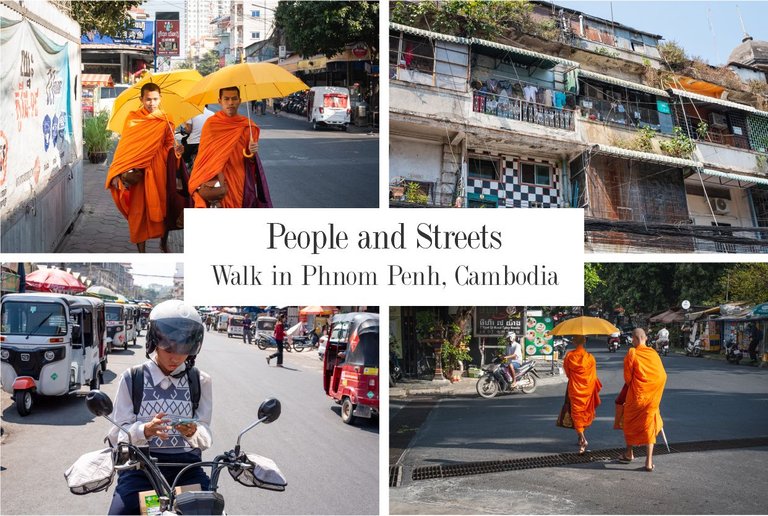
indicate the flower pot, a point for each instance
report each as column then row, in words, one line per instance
column 397, row 192
column 97, row 157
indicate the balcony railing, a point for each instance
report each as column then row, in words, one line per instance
column 518, row 109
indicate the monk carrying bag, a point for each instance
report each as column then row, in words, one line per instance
column 213, row 191
column 618, row 418
column 132, row 177
column 564, row 420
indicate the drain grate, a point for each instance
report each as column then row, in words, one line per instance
column 395, row 476
column 547, row 461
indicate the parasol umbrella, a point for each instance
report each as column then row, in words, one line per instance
column 585, row 326
column 54, row 280
column 256, row 81
column 101, row 292
column 174, row 86
column 316, row 310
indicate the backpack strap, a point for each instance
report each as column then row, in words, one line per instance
column 193, row 378
column 137, row 387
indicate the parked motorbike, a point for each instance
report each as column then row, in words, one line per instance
column 264, row 341
column 395, row 371
column 94, row 471
column 732, row 352
column 693, row 348
column 302, row 342
column 614, row 342
column 560, row 344
column 494, row 381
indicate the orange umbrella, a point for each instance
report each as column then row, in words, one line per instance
column 317, row 310
column 585, row 326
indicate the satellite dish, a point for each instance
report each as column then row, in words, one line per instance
column 686, row 304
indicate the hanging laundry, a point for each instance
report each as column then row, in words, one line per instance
column 548, row 98
column 530, row 93
column 559, row 99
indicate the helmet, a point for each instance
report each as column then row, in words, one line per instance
column 175, row 327
column 511, row 335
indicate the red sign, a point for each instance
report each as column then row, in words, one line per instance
column 360, row 51
column 168, row 37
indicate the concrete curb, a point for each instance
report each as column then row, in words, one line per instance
column 465, row 387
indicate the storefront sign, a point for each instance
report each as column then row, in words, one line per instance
column 168, row 34
column 761, row 310
column 141, row 33
column 497, row 321
column 538, row 335
column 360, row 51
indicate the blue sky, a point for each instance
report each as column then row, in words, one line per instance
column 688, row 23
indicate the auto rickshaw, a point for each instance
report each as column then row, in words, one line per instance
column 235, row 326
column 131, row 327
column 116, row 326
column 351, row 365
column 49, row 345
column 222, row 321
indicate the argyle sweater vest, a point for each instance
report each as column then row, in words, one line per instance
column 175, row 401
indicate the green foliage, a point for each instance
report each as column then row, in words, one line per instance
column 702, row 130
column 761, row 160
column 428, row 325
column 107, row 17
column 642, row 142
column 96, row 136
column 209, row 63
column 679, row 146
column 186, row 65
column 414, row 194
column 453, row 354
column 746, row 282
column 605, row 52
column 312, row 28
column 673, row 54
column 698, row 283
column 591, row 277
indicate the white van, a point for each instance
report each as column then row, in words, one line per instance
column 329, row 106
column 104, row 97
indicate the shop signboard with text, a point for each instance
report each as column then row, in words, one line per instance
column 168, row 34
column 497, row 321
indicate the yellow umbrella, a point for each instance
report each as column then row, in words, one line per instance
column 174, row 86
column 585, row 326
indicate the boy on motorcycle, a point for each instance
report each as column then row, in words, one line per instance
column 166, row 423
column 514, row 355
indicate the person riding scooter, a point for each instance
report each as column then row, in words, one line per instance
column 514, row 355
column 662, row 339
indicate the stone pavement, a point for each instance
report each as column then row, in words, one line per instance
column 100, row 227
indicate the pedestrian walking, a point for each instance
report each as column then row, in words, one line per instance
column 583, row 388
column 194, row 128
column 138, row 177
column 755, row 336
column 645, row 378
column 247, row 328
column 279, row 336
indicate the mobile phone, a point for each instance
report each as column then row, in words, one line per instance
column 183, row 421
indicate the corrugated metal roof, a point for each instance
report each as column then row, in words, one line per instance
column 522, row 51
column 736, row 177
column 621, row 82
column 644, row 156
column 726, row 103
column 428, row 34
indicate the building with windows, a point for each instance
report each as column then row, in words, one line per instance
column 676, row 164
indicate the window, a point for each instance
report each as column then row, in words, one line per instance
column 484, row 168
column 638, row 46
column 255, row 14
column 255, row 35
column 536, row 174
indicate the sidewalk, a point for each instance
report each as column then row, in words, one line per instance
column 100, row 227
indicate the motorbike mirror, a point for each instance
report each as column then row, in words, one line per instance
column 270, row 410
column 98, row 403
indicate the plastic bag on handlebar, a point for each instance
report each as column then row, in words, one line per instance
column 262, row 472
column 92, row 472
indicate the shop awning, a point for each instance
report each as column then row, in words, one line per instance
column 624, row 84
column 428, row 34
column 731, row 179
column 644, row 156
column 551, row 60
column 720, row 102
column 97, row 79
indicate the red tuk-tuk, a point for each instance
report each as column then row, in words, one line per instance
column 351, row 364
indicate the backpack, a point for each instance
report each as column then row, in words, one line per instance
column 136, row 377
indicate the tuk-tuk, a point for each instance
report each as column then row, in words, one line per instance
column 144, row 310
column 235, row 326
column 351, row 364
column 222, row 322
column 49, row 345
column 328, row 106
column 266, row 324
column 116, row 326
column 131, row 323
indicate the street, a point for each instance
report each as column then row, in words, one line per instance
column 305, row 169
column 307, row 442
column 704, row 400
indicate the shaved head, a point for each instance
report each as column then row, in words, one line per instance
column 639, row 336
column 579, row 340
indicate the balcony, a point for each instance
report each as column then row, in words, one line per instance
column 518, row 109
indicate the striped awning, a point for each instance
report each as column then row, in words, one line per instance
column 644, row 156
column 523, row 52
column 428, row 34
column 96, row 79
column 620, row 82
column 741, row 180
column 713, row 100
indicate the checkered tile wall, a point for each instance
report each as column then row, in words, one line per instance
column 511, row 192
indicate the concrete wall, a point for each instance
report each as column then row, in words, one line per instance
column 739, row 215
column 729, row 157
column 411, row 158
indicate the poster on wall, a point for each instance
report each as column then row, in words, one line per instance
column 38, row 134
column 497, row 321
column 538, row 335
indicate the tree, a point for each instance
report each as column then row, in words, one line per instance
column 209, row 63
column 108, row 17
column 699, row 283
column 591, row 277
column 747, row 282
column 312, row 28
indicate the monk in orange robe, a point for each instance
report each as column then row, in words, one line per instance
column 220, row 158
column 583, row 388
column 145, row 143
column 645, row 378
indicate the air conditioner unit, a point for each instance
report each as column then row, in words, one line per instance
column 718, row 120
column 720, row 206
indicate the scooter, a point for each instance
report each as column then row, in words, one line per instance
column 249, row 469
column 264, row 341
column 614, row 343
column 662, row 346
column 733, row 353
column 395, row 371
column 693, row 348
column 560, row 344
column 496, row 379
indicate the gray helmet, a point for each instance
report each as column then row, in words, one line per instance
column 175, row 327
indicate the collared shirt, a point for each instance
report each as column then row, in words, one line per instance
column 124, row 416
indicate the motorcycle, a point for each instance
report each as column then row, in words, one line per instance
column 560, row 345
column 733, row 353
column 662, row 347
column 264, row 341
column 395, row 371
column 614, row 342
column 300, row 343
column 94, row 471
column 494, row 379
column 693, row 348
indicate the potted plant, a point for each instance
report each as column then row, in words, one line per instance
column 454, row 357
column 96, row 137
